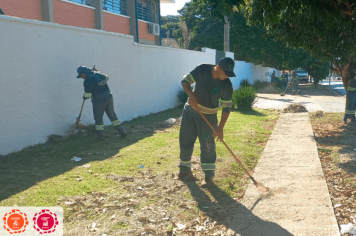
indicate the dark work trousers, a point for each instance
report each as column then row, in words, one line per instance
column 193, row 126
column 295, row 86
column 351, row 105
column 107, row 106
column 284, row 84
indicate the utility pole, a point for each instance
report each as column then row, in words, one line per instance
column 226, row 35
column 329, row 77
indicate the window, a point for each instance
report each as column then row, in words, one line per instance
column 116, row 6
column 146, row 10
column 84, row 2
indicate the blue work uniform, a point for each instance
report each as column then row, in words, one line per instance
column 96, row 88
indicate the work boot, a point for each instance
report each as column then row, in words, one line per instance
column 353, row 120
column 345, row 119
column 121, row 130
column 100, row 135
column 185, row 177
column 207, row 182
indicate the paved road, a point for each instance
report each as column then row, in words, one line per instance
column 337, row 86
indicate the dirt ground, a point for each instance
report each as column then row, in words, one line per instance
column 336, row 143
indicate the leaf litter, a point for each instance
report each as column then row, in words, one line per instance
column 339, row 172
column 150, row 205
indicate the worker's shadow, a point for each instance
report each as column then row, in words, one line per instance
column 235, row 216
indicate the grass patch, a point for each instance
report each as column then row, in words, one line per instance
column 120, row 197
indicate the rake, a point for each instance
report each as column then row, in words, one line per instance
column 258, row 185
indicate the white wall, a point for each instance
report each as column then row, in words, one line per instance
column 40, row 96
column 251, row 72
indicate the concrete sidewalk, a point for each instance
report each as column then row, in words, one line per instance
column 312, row 103
column 298, row 202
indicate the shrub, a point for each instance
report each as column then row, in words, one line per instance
column 279, row 84
column 260, row 84
column 183, row 96
column 244, row 97
column 245, row 83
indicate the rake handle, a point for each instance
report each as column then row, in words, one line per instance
column 80, row 113
column 243, row 167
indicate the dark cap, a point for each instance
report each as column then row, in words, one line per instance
column 84, row 70
column 227, row 64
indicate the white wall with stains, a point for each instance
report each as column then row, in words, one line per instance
column 39, row 92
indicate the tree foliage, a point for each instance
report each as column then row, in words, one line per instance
column 325, row 28
column 249, row 43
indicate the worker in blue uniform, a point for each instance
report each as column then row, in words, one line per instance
column 96, row 88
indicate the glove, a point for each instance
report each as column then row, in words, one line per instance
column 290, row 83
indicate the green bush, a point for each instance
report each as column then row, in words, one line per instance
column 183, row 96
column 260, row 84
column 244, row 97
column 245, row 83
column 279, row 84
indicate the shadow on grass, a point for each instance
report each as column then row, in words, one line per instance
column 24, row 169
column 243, row 222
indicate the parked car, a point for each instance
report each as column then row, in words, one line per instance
column 302, row 75
column 338, row 78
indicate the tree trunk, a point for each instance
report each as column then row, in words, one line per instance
column 316, row 81
column 345, row 76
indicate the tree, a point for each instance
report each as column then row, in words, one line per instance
column 325, row 28
column 186, row 35
column 249, row 43
column 170, row 26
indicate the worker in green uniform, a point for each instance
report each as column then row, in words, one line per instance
column 212, row 85
column 295, row 83
column 351, row 96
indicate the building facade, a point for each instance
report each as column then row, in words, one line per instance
column 140, row 18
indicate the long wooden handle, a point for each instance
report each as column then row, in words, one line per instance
column 80, row 113
column 243, row 167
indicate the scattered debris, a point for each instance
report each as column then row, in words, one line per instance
column 93, row 228
column 295, row 108
column 181, row 226
column 79, row 179
column 86, row 166
column 141, row 166
column 76, row 159
column 171, row 121
column 348, row 229
column 318, row 114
